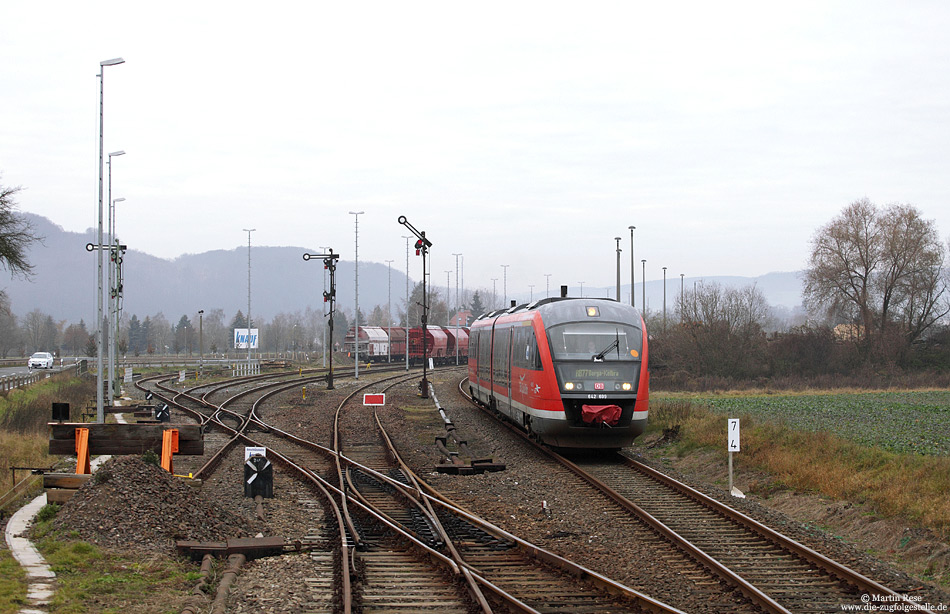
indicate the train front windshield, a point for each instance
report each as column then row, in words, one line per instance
column 597, row 341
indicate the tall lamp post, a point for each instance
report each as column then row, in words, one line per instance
column 201, row 343
column 249, row 231
column 458, row 308
column 329, row 264
column 100, row 411
column 617, row 239
column 448, row 279
column 633, row 301
column 664, row 298
column 389, row 309
column 644, row 284
column 356, row 260
column 504, row 305
column 547, row 285
column 422, row 248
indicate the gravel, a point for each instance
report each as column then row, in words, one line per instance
column 133, row 505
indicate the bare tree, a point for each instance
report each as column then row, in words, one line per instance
column 16, row 235
column 884, row 264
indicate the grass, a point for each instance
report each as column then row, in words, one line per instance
column 89, row 579
column 12, row 584
column 893, row 484
column 24, row 440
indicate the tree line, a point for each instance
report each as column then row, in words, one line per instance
column 876, row 292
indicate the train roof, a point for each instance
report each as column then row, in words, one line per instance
column 555, row 310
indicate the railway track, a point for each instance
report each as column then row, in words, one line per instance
column 775, row 572
column 405, row 550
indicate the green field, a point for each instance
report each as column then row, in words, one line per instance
column 903, row 422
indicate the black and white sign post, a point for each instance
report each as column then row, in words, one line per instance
column 733, row 447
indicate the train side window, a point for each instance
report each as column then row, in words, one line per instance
column 526, row 349
column 484, row 354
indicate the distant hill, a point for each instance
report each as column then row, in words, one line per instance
column 64, row 281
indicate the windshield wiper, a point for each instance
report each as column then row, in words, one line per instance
column 613, row 344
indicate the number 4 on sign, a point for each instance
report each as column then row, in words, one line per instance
column 733, row 434
column 733, row 447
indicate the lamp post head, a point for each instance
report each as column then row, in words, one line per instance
column 117, row 153
column 111, row 62
column 118, row 200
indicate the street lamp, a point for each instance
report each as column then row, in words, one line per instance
column 504, row 305
column 458, row 308
column 249, row 231
column 389, row 309
column 582, row 288
column 547, row 285
column 356, row 260
column 644, row 297
column 633, row 301
column 617, row 239
column 448, row 277
column 100, row 411
column 664, row 298
column 201, row 343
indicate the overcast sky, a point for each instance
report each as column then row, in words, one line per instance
column 520, row 133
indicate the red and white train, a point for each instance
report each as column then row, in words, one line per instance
column 571, row 371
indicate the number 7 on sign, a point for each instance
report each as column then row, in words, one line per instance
column 733, row 434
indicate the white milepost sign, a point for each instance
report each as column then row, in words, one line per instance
column 733, row 434
column 181, row 376
column 733, row 447
column 128, row 375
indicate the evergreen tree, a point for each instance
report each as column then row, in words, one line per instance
column 135, row 335
column 476, row 307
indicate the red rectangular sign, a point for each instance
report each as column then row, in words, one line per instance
column 374, row 399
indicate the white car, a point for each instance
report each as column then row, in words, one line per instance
column 41, row 360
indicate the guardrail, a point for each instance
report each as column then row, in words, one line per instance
column 20, row 379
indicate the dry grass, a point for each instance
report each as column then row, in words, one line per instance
column 24, row 440
column 909, row 486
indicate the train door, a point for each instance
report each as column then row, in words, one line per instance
column 505, row 370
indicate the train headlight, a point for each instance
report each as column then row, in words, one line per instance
column 569, row 386
column 627, row 386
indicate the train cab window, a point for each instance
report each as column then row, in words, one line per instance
column 603, row 340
